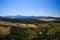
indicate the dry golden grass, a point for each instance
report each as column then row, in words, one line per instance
column 43, row 25
column 47, row 19
column 18, row 24
column 27, row 25
column 4, row 30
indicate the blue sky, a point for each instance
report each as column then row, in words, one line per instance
column 30, row 7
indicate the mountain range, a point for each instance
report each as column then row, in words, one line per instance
column 29, row 19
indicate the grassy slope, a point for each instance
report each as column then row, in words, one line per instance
column 8, row 25
column 52, row 27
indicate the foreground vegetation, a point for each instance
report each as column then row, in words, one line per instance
column 29, row 31
column 48, row 32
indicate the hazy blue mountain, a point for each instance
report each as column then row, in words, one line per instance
column 28, row 18
column 19, row 16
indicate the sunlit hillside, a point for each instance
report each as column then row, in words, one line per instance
column 29, row 29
